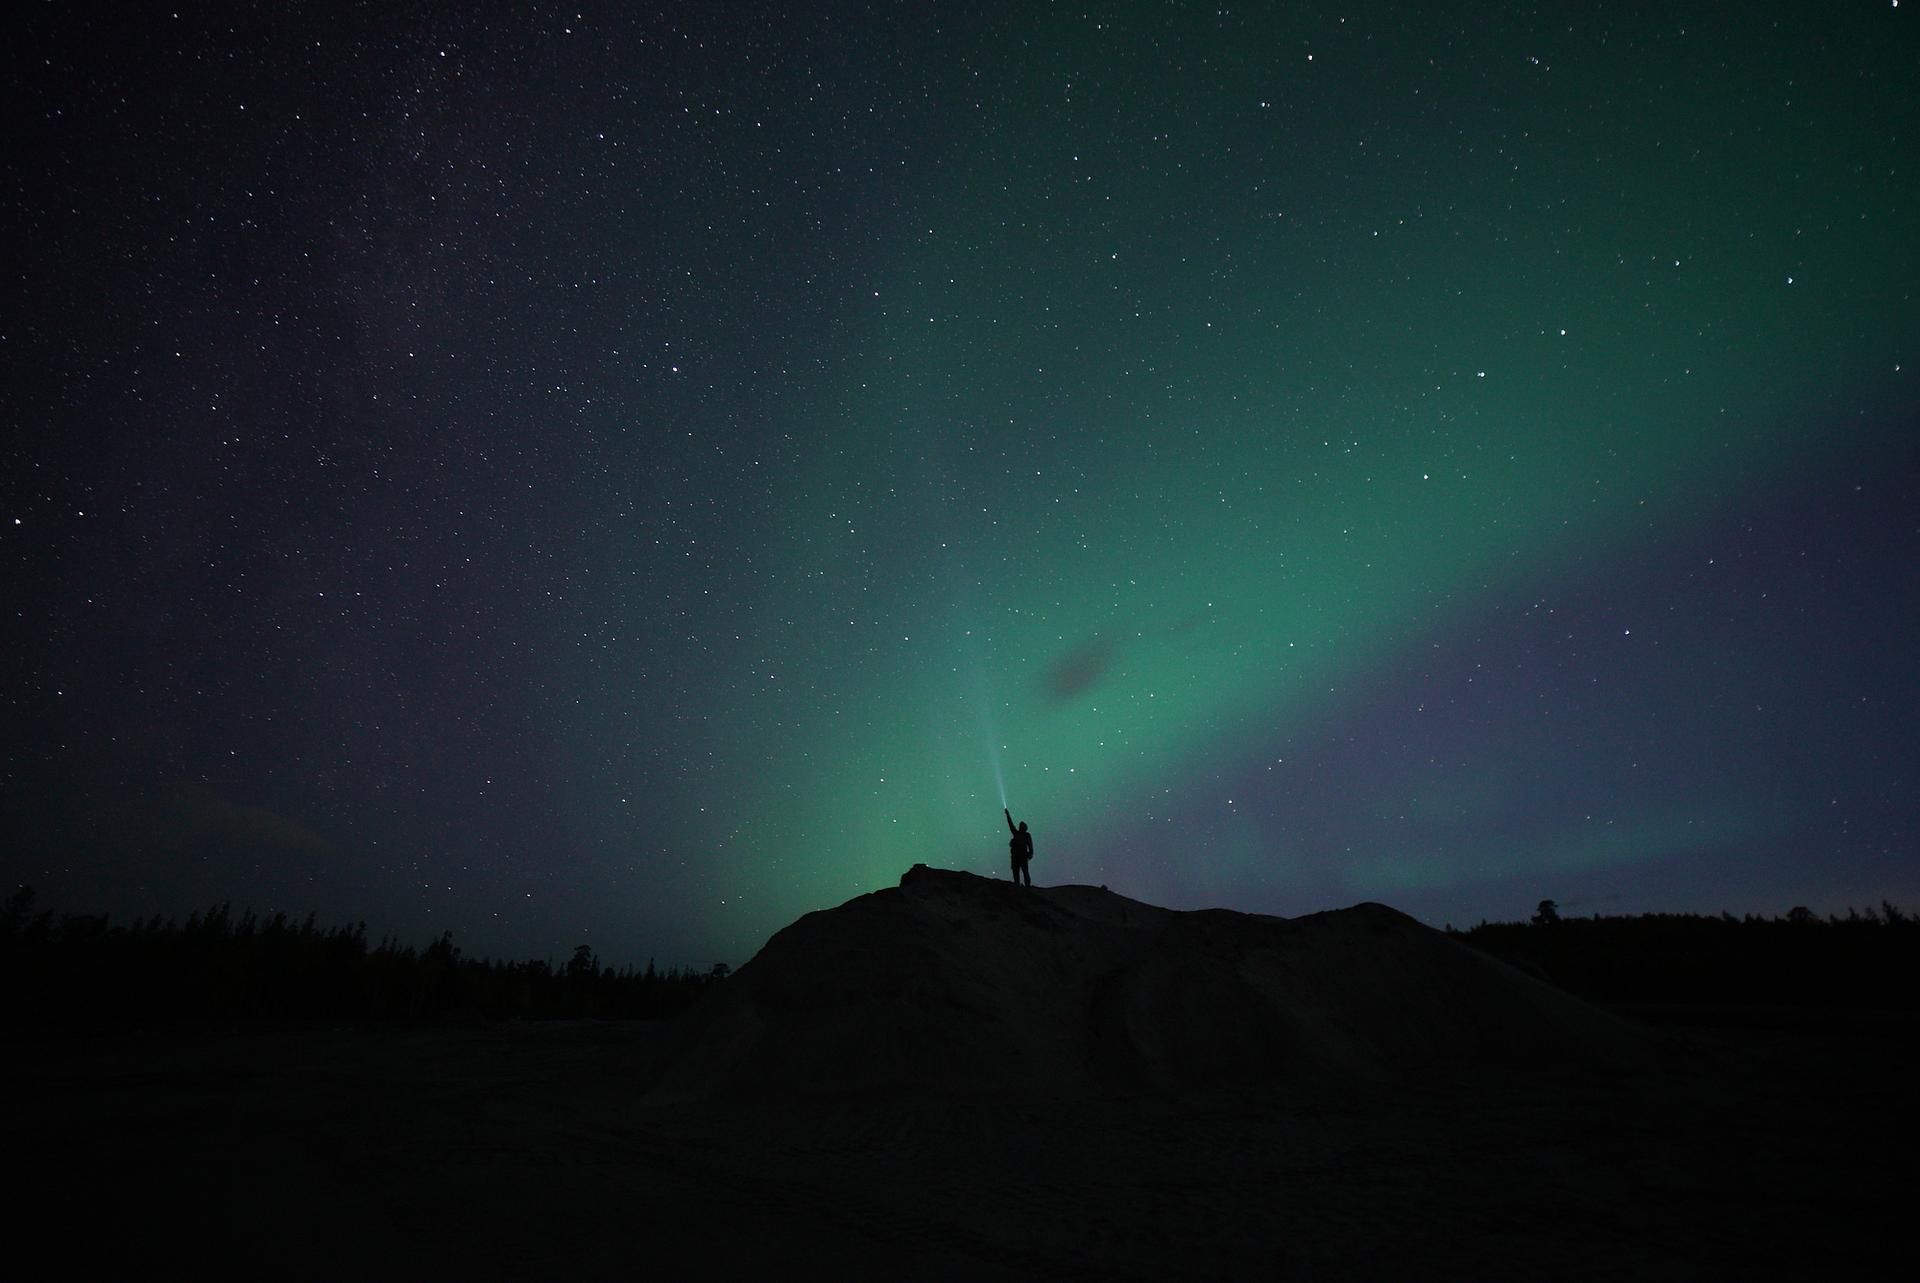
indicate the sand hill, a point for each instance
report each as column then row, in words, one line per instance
column 958, row 982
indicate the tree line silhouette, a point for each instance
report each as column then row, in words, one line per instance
column 73, row 968
column 76, row 968
column 1864, row 960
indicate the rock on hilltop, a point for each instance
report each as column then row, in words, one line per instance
column 956, row 982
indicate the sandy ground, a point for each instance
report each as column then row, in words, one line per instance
column 1755, row 1148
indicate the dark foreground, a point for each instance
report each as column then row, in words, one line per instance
column 1760, row 1146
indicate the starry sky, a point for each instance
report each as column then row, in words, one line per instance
column 634, row 475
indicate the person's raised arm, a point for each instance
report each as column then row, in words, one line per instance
column 1009, row 814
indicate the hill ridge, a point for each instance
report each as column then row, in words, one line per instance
column 955, row 982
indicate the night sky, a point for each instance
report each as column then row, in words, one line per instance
column 572, row 475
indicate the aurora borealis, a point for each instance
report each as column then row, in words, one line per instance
column 559, row 475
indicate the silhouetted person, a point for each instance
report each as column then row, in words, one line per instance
column 1020, row 847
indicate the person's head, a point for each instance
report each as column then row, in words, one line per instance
column 1023, row 826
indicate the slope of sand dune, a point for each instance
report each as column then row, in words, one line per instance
column 956, row 982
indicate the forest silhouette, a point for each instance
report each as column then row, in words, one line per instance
column 218, row 966
column 1855, row 962
column 80, row 968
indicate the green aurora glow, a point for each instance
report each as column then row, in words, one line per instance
column 1200, row 407
column 636, row 476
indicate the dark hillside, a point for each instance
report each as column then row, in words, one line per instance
column 953, row 981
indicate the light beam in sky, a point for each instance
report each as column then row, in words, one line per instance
column 1220, row 476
